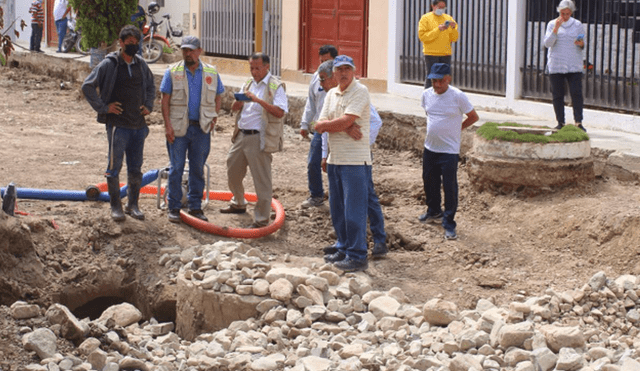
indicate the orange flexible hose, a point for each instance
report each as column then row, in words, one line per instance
column 224, row 231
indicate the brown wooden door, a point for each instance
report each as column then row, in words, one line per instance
column 342, row 23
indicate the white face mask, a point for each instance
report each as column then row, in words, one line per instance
column 439, row 11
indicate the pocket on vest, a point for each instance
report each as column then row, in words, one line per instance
column 211, row 93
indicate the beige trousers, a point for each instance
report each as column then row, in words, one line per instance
column 246, row 152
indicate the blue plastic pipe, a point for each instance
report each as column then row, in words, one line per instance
column 61, row 195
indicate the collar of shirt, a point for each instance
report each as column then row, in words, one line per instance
column 196, row 70
column 350, row 87
column 265, row 80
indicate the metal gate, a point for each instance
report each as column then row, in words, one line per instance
column 479, row 57
column 228, row 29
column 611, row 77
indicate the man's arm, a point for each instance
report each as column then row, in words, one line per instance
column 90, row 86
column 309, row 108
column 166, row 115
column 346, row 123
column 272, row 109
column 472, row 117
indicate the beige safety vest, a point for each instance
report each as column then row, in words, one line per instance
column 272, row 128
column 179, row 102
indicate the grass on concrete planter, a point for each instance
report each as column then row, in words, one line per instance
column 567, row 134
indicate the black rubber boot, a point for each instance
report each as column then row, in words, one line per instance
column 114, row 198
column 133, row 194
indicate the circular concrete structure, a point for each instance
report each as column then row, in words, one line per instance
column 530, row 167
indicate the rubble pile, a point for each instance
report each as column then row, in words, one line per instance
column 314, row 318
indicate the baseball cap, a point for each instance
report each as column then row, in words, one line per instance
column 439, row 70
column 190, row 42
column 343, row 60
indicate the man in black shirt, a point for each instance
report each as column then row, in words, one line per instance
column 126, row 95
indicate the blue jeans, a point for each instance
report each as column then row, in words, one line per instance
column 441, row 169
column 348, row 205
column 61, row 27
column 125, row 141
column 36, row 37
column 376, row 220
column 314, row 166
column 575, row 89
column 195, row 146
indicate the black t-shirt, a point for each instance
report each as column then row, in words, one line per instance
column 128, row 91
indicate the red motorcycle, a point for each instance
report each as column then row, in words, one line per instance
column 153, row 43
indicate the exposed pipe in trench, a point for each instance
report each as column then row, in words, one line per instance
column 91, row 194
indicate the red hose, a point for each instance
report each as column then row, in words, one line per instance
column 224, row 231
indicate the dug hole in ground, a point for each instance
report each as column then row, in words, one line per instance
column 510, row 247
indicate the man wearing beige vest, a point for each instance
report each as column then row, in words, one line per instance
column 258, row 133
column 190, row 103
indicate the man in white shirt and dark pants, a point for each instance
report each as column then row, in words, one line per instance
column 445, row 107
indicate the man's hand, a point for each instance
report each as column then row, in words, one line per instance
column 318, row 126
column 354, row 132
column 304, row 133
column 251, row 96
column 323, row 164
column 169, row 133
column 144, row 111
column 115, row 108
column 213, row 122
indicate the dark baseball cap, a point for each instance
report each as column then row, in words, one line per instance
column 190, row 42
column 439, row 70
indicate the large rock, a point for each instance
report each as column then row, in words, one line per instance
column 439, row 312
column 70, row 327
column 384, row 306
column 22, row 310
column 562, row 337
column 123, row 314
column 42, row 341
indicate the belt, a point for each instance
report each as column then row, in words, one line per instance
column 194, row 123
column 249, row 132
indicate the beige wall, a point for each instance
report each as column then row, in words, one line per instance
column 290, row 34
column 378, row 39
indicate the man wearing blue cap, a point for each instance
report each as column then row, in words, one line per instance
column 190, row 103
column 345, row 116
column 445, row 107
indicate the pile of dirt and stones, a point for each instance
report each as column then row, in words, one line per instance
column 312, row 318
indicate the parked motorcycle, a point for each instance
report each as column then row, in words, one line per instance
column 153, row 42
column 73, row 38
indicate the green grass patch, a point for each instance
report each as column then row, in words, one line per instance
column 567, row 134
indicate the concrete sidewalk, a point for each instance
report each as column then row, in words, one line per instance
column 626, row 145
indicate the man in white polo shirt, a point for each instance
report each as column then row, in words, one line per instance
column 445, row 107
column 345, row 116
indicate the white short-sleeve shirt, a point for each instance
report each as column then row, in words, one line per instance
column 444, row 119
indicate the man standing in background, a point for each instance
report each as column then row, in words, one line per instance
column 437, row 31
column 60, row 10
column 37, row 23
column 312, row 109
column 445, row 106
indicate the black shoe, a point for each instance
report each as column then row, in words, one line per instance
column 379, row 250
column 198, row 214
column 332, row 258
column 350, row 265
column 581, row 128
column 560, row 126
column 330, row 250
column 427, row 218
column 233, row 210
column 174, row 216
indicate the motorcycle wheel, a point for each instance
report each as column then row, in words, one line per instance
column 151, row 52
column 79, row 48
column 67, row 43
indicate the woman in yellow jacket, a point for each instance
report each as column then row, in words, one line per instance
column 437, row 31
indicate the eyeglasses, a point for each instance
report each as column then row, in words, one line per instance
column 323, row 79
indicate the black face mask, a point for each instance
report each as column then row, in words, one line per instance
column 131, row 49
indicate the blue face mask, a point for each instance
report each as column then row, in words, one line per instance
column 439, row 11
